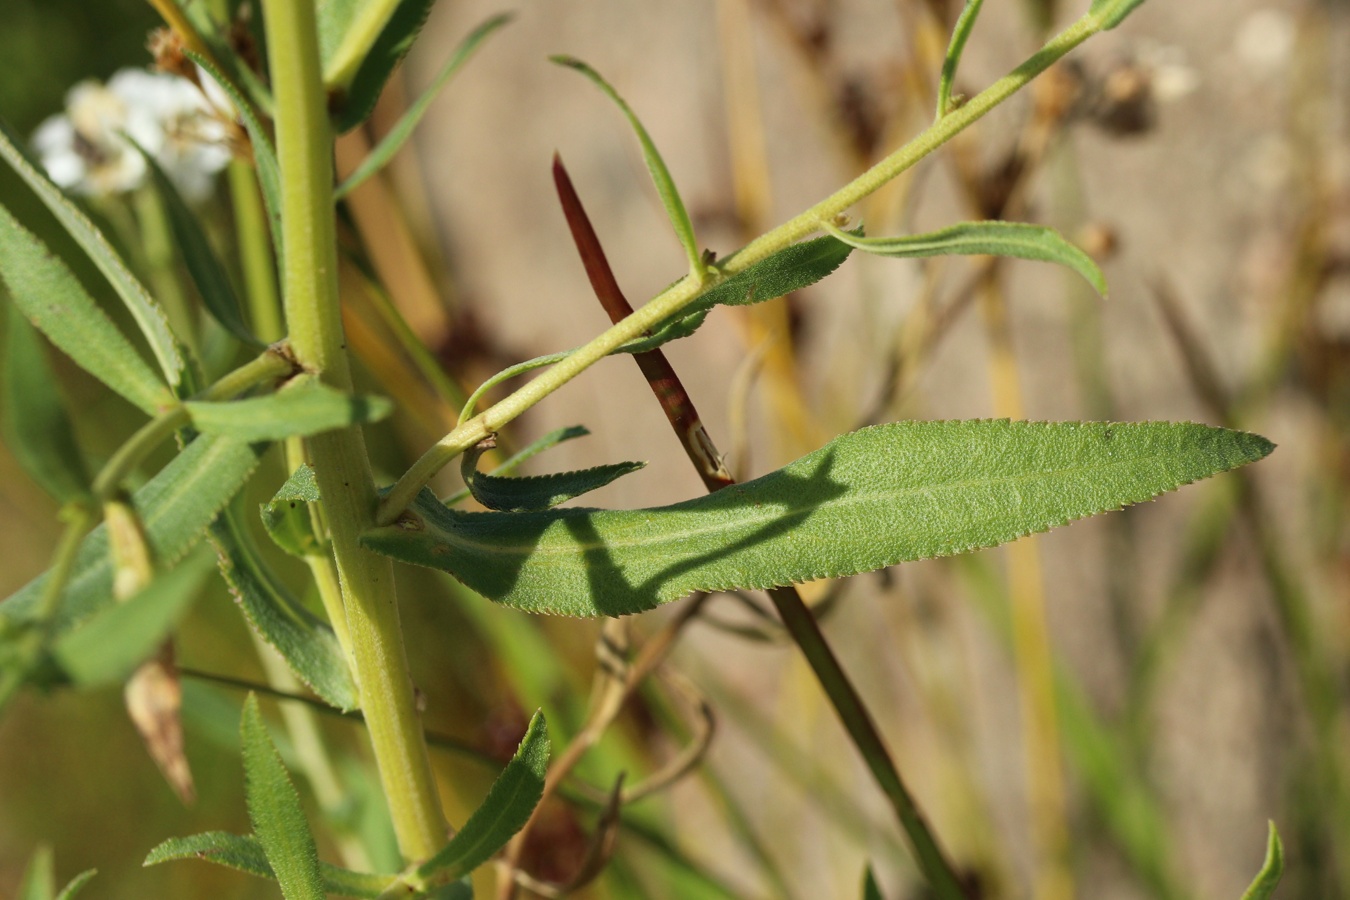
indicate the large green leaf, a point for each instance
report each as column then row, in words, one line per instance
column 108, row 646
column 274, row 808
column 246, row 854
column 307, row 643
column 153, row 323
column 505, row 810
column 175, row 506
column 1263, row 886
column 36, row 427
column 994, row 238
column 536, row 492
column 52, row 298
column 665, row 185
column 305, row 406
column 869, row 499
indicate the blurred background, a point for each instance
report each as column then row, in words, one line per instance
column 1112, row 710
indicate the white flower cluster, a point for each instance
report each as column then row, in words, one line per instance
column 84, row 149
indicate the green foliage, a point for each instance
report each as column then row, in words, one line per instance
column 37, row 428
column 1016, row 239
column 356, row 101
column 149, row 317
column 39, row 879
column 537, row 492
column 505, row 810
column 1112, row 12
column 665, row 185
column 286, row 516
column 1263, row 886
column 871, row 890
column 304, row 406
column 55, row 302
column 965, row 24
column 870, row 499
column 246, row 854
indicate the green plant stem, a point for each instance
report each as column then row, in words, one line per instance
column 255, row 256
column 314, row 322
column 686, row 290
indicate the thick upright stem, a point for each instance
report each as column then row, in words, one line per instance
column 313, row 318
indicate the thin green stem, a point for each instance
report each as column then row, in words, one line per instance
column 686, row 290
column 314, row 323
column 255, row 255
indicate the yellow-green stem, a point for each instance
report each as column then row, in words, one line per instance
column 255, row 255
column 684, row 291
column 314, row 323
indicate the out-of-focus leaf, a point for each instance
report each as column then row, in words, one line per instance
column 246, row 854
column 870, row 499
column 965, row 23
column 264, row 154
column 1263, row 886
column 52, row 298
column 665, row 185
column 993, row 238
column 105, row 648
column 175, row 506
column 403, row 128
column 39, row 878
column 37, row 430
column 274, row 808
column 146, row 312
column 505, row 810
column 207, row 272
column 354, row 100
column 871, row 890
column 351, row 32
column 308, row 644
column 286, row 516
column 537, row 492
column 76, row 884
column 154, row 701
column 305, row 406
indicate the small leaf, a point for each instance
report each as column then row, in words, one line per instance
column 286, row 516
column 1263, row 886
column 36, row 427
column 992, row 238
column 871, row 890
column 52, row 298
column 537, row 492
column 355, row 101
column 505, row 810
column 39, row 878
column 204, row 267
column 106, row 647
column 870, row 499
column 965, row 23
column 303, row 407
column 245, row 854
column 548, row 441
column 264, row 154
column 146, row 312
column 175, row 506
column 397, row 136
column 665, row 185
column 307, row 643
column 76, row 884
column 274, row 809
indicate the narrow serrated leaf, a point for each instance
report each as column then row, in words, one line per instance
column 1263, row 886
column 274, row 808
column 537, row 492
column 505, row 810
column 548, row 441
column 154, row 325
column 870, row 499
column 175, row 507
column 993, row 238
column 397, row 136
column 355, row 100
column 36, row 427
column 665, row 185
column 245, row 854
column 308, row 644
column 965, row 24
column 105, row 648
column 76, row 884
column 305, row 406
column 203, row 266
column 55, row 302
column 286, row 516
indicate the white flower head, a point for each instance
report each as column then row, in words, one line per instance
column 84, row 148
